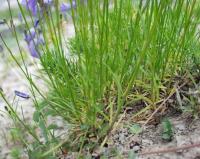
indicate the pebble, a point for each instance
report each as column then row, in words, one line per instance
column 180, row 126
column 182, row 140
column 136, row 148
column 147, row 142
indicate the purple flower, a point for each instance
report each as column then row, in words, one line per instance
column 31, row 5
column 32, row 46
column 24, row 2
column 30, row 35
column 40, row 40
column 48, row 2
column 36, row 22
column 34, row 41
column 20, row 17
column 22, row 95
column 64, row 7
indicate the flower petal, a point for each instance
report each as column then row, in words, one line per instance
column 21, row 94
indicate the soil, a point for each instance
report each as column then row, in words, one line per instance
column 185, row 132
column 149, row 144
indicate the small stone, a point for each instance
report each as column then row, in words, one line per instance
column 121, row 138
column 182, row 140
column 180, row 126
column 136, row 148
column 147, row 142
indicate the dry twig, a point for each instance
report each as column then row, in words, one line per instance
column 161, row 105
column 168, row 150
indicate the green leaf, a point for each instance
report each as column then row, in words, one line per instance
column 131, row 155
column 166, row 136
column 167, row 132
column 135, row 129
column 52, row 127
column 36, row 116
column 44, row 130
column 15, row 153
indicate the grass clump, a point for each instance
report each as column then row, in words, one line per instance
column 122, row 50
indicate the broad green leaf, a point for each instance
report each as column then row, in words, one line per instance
column 135, row 129
column 36, row 116
column 167, row 132
column 131, row 155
